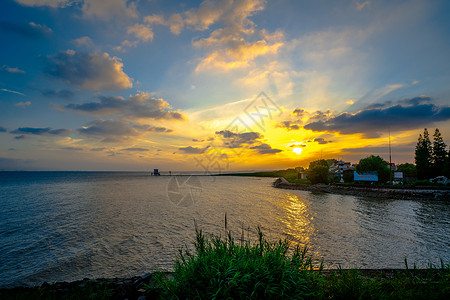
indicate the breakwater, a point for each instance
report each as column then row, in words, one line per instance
column 398, row 193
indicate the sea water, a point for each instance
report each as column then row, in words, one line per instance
column 65, row 226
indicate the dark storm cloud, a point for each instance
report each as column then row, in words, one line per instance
column 412, row 113
column 141, row 106
column 193, row 150
column 64, row 94
column 40, row 131
column 265, row 149
column 29, row 30
column 236, row 140
column 89, row 71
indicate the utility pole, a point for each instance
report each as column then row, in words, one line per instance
column 390, row 157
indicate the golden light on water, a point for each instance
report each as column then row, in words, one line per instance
column 298, row 219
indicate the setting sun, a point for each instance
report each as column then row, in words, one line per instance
column 297, row 151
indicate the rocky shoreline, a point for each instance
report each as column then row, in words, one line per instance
column 134, row 287
column 398, row 193
column 101, row 288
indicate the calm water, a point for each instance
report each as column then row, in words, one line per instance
column 72, row 225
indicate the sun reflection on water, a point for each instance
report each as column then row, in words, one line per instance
column 298, row 221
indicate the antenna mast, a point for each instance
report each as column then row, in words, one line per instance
column 390, row 157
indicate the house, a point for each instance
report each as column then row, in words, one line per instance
column 302, row 175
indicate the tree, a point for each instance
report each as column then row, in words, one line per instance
column 439, row 154
column 407, row 169
column 374, row 164
column 318, row 171
column 446, row 171
column 423, row 156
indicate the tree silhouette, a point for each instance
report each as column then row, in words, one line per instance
column 423, row 157
column 439, row 154
column 374, row 163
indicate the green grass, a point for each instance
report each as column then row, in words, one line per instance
column 226, row 269
column 289, row 174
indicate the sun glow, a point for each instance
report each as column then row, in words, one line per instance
column 297, row 151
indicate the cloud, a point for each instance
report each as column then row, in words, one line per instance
column 193, row 150
column 265, row 149
column 72, row 148
column 118, row 130
column 237, row 140
column 409, row 114
column 41, row 28
column 125, row 45
column 299, row 112
column 41, row 131
column 289, row 125
column 84, row 41
column 108, row 9
column 322, row 141
column 51, row 3
column 142, row 32
column 19, row 137
column 297, row 146
column 89, row 71
column 97, row 149
column 14, row 164
column 29, row 30
column 141, row 106
column 135, row 149
column 22, row 104
column 109, row 128
column 235, row 42
column 154, row 19
column 64, row 94
column 14, row 92
column 3, row 129
column 175, row 23
column 378, row 150
column 360, row 5
column 14, row 70
column 237, row 54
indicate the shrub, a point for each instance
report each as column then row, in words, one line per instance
column 223, row 269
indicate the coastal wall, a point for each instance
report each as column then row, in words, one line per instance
column 441, row 194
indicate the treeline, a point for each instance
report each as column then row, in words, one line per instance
column 432, row 158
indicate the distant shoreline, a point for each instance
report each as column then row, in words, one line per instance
column 398, row 193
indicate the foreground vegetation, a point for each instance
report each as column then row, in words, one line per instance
column 290, row 175
column 226, row 269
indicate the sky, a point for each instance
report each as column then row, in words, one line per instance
column 219, row 86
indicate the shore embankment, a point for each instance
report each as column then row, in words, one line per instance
column 395, row 192
column 100, row 288
column 137, row 287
